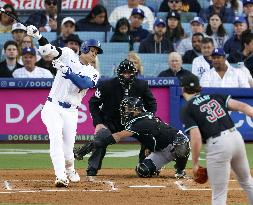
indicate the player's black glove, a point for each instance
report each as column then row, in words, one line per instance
column 103, row 138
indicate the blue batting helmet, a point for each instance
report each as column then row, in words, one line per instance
column 85, row 47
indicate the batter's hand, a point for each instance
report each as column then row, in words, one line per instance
column 99, row 126
column 33, row 31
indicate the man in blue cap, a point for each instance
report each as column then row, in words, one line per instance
column 136, row 31
column 247, row 7
column 157, row 42
column 223, row 74
column 233, row 44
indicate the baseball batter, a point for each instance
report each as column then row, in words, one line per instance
column 60, row 112
column 205, row 117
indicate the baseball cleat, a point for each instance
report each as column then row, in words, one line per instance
column 180, row 174
column 73, row 176
column 61, row 182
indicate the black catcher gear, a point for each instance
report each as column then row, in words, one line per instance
column 126, row 66
column 128, row 108
column 181, row 145
column 146, row 169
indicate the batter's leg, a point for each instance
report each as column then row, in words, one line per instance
column 51, row 117
column 241, row 167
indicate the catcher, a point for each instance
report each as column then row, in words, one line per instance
column 164, row 142
column 207, row 120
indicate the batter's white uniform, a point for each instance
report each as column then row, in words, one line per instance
column 60, row 113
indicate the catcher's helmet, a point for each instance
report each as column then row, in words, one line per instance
column 128, row 108
column 126, row 66
column 85, row 46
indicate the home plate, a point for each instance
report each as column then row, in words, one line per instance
column 146, row 186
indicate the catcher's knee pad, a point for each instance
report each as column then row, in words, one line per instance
column 102, row 134
column 146, row 169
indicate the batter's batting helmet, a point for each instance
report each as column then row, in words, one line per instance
column 125, row 66
column 85, row 47
column 128, row 107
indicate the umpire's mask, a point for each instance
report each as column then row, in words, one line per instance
column 126, row 72
column 128, row 108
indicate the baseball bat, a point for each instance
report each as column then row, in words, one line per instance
column 12, row 16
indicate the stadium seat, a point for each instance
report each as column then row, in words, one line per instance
column 186, row 17
column 186, row 27
column 229, row 27
column 85, row 35
column 114, row 48
column 187, row 67
column 204, row 3
column 162, row 15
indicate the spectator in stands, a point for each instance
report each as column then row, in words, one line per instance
column 45, row 20
column 175, row 32
column 74, row 42
column 247, row 7
column 196, row 51
column 126, row 10
column 236, row 5
column 27, row 41
column 233, row 44
column 135, row 58
column 10, row 63
column 67, row 28
column 197, row 26
column 96, row 20
column 180, row 6
column 223, row 74
column 175, row 67
column 30, row 70
column 157, row 42
column 137, row 33
column 216, row 31
column 203, row 63
column 122, row 31
column 46, row 62
column 18, row 33
column 6, row 22
column 227, row 15
column 249, row 20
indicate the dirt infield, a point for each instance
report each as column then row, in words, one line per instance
column 111, row 186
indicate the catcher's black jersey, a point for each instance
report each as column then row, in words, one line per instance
column 207, row 112
column 151, row 132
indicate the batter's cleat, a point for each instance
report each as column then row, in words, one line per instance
column 73, row 176
column 180, row 174
column 61, row 182
column 92, row 172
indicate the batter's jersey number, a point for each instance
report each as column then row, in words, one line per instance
column 213, row 109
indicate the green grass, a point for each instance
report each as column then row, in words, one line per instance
column 43, row 161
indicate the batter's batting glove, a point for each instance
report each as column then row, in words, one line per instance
column 33, row 31
column 80, row 152
column 59, row 65
column 48, row 50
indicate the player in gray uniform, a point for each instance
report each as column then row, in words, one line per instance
column 205, row 117
column 165, row 142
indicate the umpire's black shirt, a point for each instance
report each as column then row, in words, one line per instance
column 105, row 103
column 207, row 112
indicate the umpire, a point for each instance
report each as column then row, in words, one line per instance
column 206, row 119
column 105, row 106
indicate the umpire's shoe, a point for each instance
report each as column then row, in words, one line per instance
column 61, row 182
column 180, row 174
column 92, row 172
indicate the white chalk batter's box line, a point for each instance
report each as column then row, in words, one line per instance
column 181, row 185
column 9, row 190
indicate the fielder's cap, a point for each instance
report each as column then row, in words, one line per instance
column 174, row 14
column 239, row 19
column 29, row 50
column 138, row 11
column 73, row 37
column 18, row 26
column 190, row 81
column 218, row 52
column 68, row 19
column 245, row 2
column 197, row 19
column 159, row 22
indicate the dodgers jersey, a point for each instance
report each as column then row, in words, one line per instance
column 64, row 90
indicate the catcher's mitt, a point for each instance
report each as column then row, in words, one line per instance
column 201, row 176
column 80, row 152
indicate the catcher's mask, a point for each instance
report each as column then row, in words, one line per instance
column 130, row 107
column 124, row 67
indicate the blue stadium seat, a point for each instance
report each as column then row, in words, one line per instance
column 5, row 37
column 136, row 47
column 162, row 15
column 186, row 17
column 50, row 36
column 154, row 63
column 187, row 67
column 114, row 48
column 204, row 3
column 85, row 35
column 186, row 27
column 229, row 27
column 109, row 36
